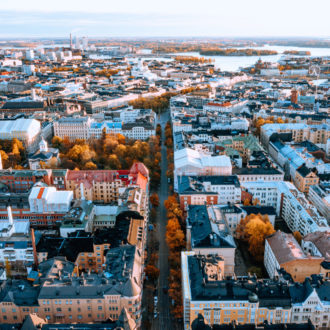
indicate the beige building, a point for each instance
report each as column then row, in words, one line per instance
column 60, row 294
column 317, row 134
column 282, row 251
column 305, row 178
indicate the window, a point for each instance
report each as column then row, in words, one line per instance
column 99, row 308
column 79, row 317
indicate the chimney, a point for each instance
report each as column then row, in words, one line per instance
column 33, row 94
column 10, row 216
column 35, row 256
column 82, row 195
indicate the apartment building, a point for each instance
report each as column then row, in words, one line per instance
column 65, row 295
column 72, row 127
column 297, row 132
column 305, row 178
column 208, row 235
column 267, row 193
column 298, row 213
column 43, row 206
column 268, row 174
column 310, row 301
column 222, row 301
column 199, row 190
column 290, row 204
column 15, row 243
column 318, row 244
column 104, row 185
column 96, row 130
column 282, row 251
column 139, row 130
column 21, row 181
column 320, row 197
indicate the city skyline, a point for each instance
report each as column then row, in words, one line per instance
column 149, row 19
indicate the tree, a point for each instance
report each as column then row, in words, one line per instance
column 152, row 272
column 297, row 236
column 246, row 202
column 254, row 229
column 256, row 202
column 57, row 142
column 90, row 166
column 170, row 201
column 154, row 200
column 4, row 158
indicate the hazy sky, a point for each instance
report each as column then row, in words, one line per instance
column 45, row 18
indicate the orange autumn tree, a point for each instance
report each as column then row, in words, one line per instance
column 175, row 238
column 254, row 229
column 154, row 200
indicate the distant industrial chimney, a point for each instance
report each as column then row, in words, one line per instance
column 70, row 41
column 35, row 255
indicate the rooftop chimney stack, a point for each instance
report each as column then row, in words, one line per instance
column 35, row 255
column 10, row 216
column 82, row 195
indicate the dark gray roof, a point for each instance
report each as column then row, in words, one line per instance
column 269, row 293
column 251, row 171
column 203, row 233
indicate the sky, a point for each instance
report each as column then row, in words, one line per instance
column 152, row 18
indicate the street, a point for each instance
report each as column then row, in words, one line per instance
column 163, row 320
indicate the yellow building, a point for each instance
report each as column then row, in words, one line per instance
column 305, row 178
column 243, row 300
column 61, row 295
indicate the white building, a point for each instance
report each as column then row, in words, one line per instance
column 298, row 213
column 25, row 130
column 310, row 302
column 15, row 243
column 190, row 162
column 139, row 130
column 95, row 130
column 28, row 69
column 29, row 54
column 289, row 203
column 227, row 107
column 268, row 193
column 321, row 199
column 258, row 174
column 49, row 200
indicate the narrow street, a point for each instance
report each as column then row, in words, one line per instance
column 163, row 320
